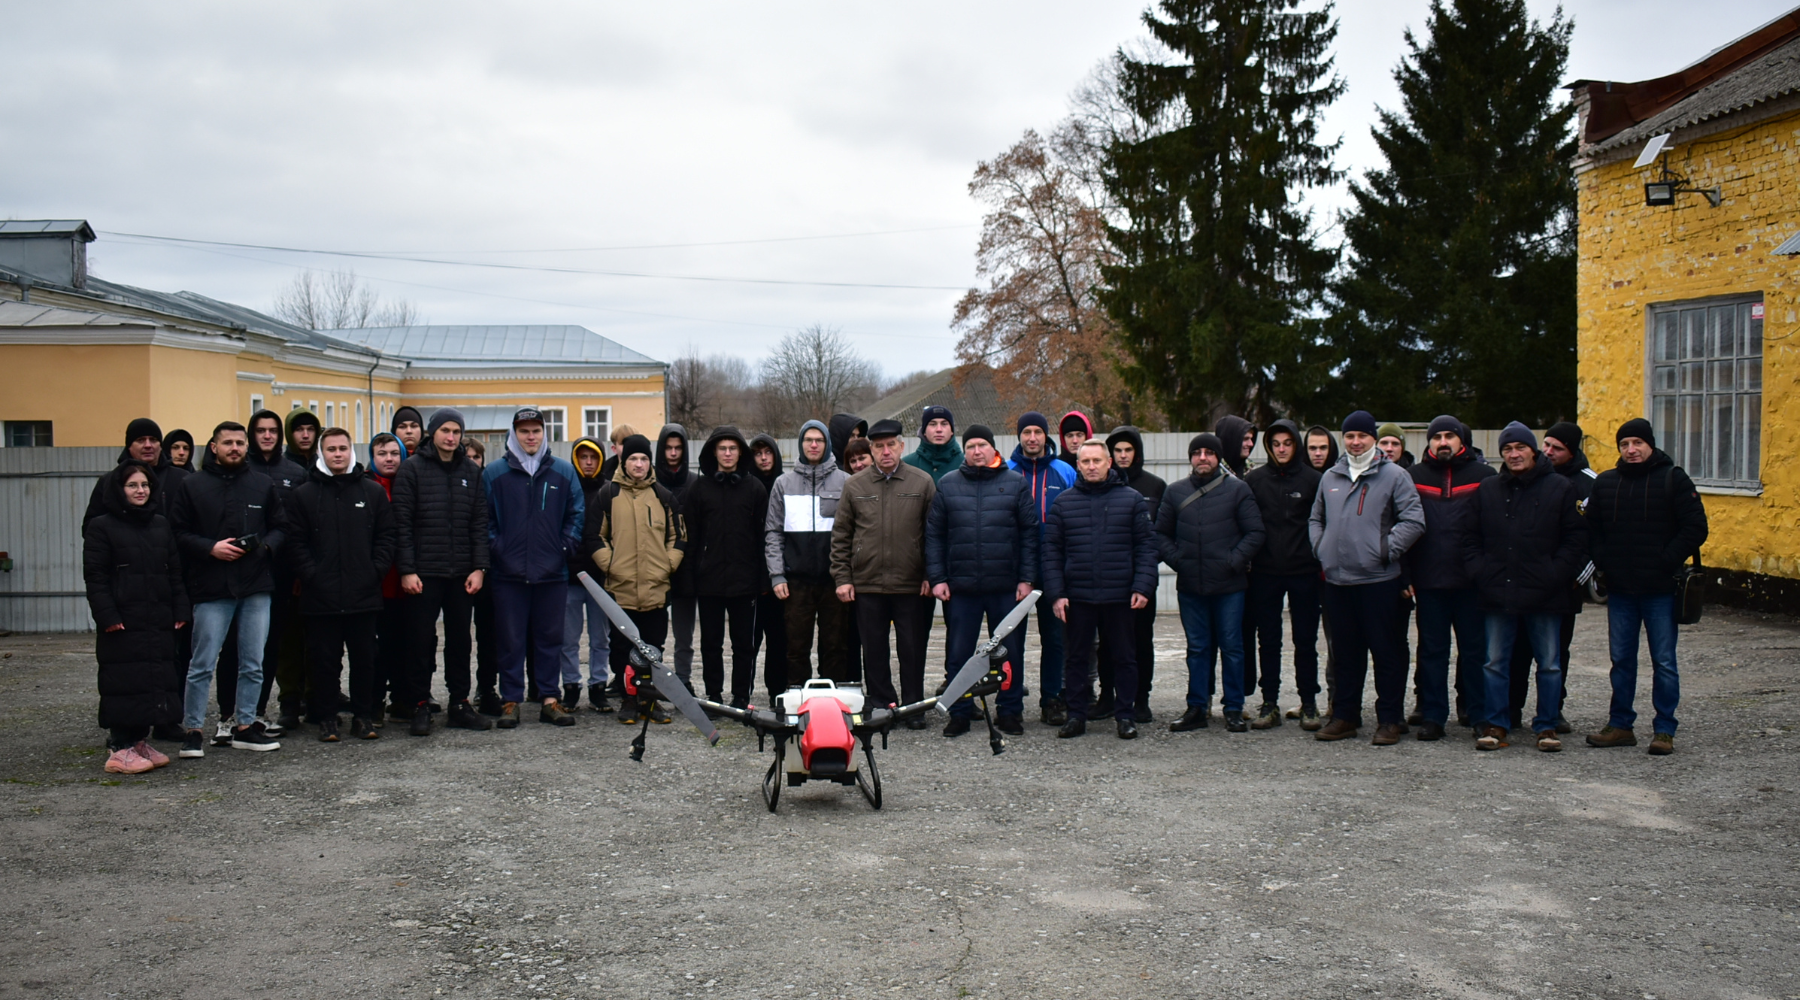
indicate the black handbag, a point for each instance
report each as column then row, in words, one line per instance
column 1690, row 592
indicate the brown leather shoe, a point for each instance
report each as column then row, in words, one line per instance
column 1612, row 736
column 1387, row 734
column 1547, row 741
column 1336, row 729
column 1492, row 738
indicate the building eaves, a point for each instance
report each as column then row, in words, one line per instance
column 1760, row 80
column 18, row 315
column 512, row 344
column 47, row 227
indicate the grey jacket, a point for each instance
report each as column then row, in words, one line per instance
column 802, row 508
column 1361, row 529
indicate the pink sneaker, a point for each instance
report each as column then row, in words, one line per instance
column 156, row 757
column 127, row 761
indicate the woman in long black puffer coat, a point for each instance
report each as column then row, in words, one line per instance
column 135, row 591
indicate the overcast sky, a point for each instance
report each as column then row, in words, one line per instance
column 598, row 134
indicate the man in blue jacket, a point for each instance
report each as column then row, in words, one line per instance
column 535, row 514
column 1046, row 476
column 981, row 553
column 1099, row 565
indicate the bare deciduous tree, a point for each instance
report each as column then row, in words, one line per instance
column 811, row 374
column 338, row 300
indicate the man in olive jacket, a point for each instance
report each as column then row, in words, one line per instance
column 878, row 561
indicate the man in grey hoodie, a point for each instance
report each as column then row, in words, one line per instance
column 797, row 547
column 1365, row 517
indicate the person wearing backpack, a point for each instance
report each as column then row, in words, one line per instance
column 1644, row 519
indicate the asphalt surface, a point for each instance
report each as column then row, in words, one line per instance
column 543, row 863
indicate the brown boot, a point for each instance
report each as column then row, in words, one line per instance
column 1387, row 734
column 1492, row 738
column 1612, row 736
column 553, row 713
column 1337, row 729
column 1662, row 744
column 1547, row 741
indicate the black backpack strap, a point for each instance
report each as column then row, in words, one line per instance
column 1197, row 494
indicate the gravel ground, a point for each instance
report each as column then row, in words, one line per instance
column 543, row 862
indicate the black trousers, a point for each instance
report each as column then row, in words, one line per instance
column 910, row 615
column 740, row 613
column 771, row 625
column 122, row 737
column 1143, row 634
column 441, row 594
column 1366, row 624
column 392, row 665
column 328, row 638
column 1521, row 670
column 653, row 626
column 811, row 601
column 487, row 659
column 1114, row 626
column 1301, row 592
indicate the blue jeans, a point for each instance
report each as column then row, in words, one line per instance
column 1440, row 612
column 1050, row 652
column 529, row 614
column 1624, row 614
column 597, row 627
column 1544, row 632
column 963, row 615
column 1214, row 624
column 212, row 619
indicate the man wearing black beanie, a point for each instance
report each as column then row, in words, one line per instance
column 1562, row 446
column 1644, row 519
column 1447, row 481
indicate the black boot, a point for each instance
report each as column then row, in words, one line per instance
column 488, row 702
column 1127, row 729
column 597, row 700
column 1193, row 718
column 1076, row 726
column 421, row 720
column 463, row 716
column 571, row 696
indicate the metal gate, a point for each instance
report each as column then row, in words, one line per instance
column 43, row 493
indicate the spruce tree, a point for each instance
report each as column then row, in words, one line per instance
column 1459, row 292
column 1219, row 267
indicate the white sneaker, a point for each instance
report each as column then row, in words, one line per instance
column 222, row 737
column 271, row 727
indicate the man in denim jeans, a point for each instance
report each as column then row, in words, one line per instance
column 1645, row 518
column 1524, row 550
column 227, row 522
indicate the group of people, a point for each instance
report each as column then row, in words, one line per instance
column 284, row 553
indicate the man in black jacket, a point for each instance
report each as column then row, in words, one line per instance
column 1443, row 582
column 283, row 651
column 1562, row 446
column 1284, row 568
column 143, row 443
column 673, row 474
column 1127, row 446
column 1209, row 528
column 771, row 620
column 341, row 543
column 228, row 525
column 440, row 515
column 725, row 508
column 1525, row 549
column 981, row 550
column 1646, row 519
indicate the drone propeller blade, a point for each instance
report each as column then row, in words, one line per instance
column 610, row 607
column 976, row 667
column 669, row 686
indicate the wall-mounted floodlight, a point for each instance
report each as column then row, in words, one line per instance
column 1663, row 190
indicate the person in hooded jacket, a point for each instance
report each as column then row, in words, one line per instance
column 1321, row 448
column 229, row 525
column 1285, row 569
column 845, row 428
column 1073, row 429
column 1391, row 439
column 178, row 446
column 1238, row 437
column 268, row 456
column 408, row 427
column 1525, row 550
column 302, row 431
column 341, row 542
column 797, row 549
column 1099, row 563
column 589, row 458
column 981, row 551
column 633, row 534
column 1127, row 447
column 1562, row 446
column 1046, row 477
column 725, row 510
column 1443, row 582
column 1645, row 519
column 391, row 662
column 287, row 623
column 132, row 569
column 937, row 453
column 673, row 474
column 487, row 661
column 536, row 509
column 771, row 621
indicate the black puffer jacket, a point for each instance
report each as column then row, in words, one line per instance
column 285, row 473
column 133, row 576
column 167, row 478
column 218, row 503
column 725, row 512
column 1099, row 545
column 1528, row 543
column 1211, row 541
column 1231, row 431
column 1284, row 497
column 676, row 480
column 981, row 536
column 1447, row 491
column 341, row 542
column 1151, row 486
column 1645, row 521
column 440, row 516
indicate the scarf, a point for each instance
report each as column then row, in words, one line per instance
column 1360, row 464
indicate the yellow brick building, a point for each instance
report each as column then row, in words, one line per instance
column 80, row 357
column 1687, row 305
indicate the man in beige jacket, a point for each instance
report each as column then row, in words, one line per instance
column 878, row 561
column 635, row 537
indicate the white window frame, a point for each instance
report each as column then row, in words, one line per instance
column 556, row 423
column 360, row 436
column 1701, row 355
column 256, row 403
column 596, row 427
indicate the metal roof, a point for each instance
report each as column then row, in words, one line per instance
column 29, row 314
column 1772, row 75
column 1789, row 246
column 575, row 344
column 983, row 396
column 45, row 227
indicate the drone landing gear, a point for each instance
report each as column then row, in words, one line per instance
column 637, row 745
column 996, row 741
column 869, row 778
column 772, row 781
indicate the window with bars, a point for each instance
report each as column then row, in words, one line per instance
column 1706, row 388
column 596, row 422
